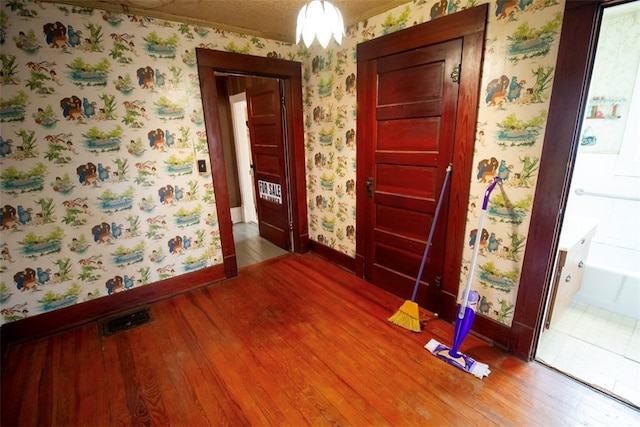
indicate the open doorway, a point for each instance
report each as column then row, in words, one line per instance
column 251, row 248
column 592, row 324
column 289, row 73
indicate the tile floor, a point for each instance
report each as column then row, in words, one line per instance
column 597, row 347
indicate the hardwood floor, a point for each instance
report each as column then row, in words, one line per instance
column 291, row 341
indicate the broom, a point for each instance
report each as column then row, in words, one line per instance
column 407, row 316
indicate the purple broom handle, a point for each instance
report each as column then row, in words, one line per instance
column 476, row 247
column 433, row 227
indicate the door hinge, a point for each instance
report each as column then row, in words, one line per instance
column 455, row 74
column 438, row 281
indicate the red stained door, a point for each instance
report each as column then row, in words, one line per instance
column 414, row 102
column 264, row 106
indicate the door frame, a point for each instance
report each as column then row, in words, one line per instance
column 468, row 25
column 290, row 72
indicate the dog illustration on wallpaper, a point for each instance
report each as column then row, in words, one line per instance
column 114, row 285
column 350, row 138
column 317, row 64
column 146, row 77
column 101, row 233
column 318, row 114
column 87, row 174
column 8, row 217
column 350, row 84
column 497, row 91
column 506, row 8
column 25, row 280
column 487, row 169
column 484, row 238
column 157, row 139
column 351, row 232
column 167, row 194
column 55, row 34
column 72, row 108
column 350, row 187
column 175, row 245
column 439, row 9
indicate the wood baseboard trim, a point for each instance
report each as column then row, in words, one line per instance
column 52, row 322
column 333, row 255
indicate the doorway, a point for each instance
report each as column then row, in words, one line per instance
column 591, row 329
column 211, row 62
column 251, row 248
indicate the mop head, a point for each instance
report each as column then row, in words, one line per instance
column 407, row 316
column 464, row 362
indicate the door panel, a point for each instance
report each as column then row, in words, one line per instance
column 268, row 151
column 413, row 132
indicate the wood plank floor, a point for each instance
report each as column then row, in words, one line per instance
column 250, row 247
column 292, row 341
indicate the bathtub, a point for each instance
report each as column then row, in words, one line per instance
column 612, row 280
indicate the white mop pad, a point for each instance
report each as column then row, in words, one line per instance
column 464, row 362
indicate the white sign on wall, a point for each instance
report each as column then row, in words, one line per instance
column 270, row 191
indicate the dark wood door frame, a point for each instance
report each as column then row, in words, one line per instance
column 469, row 25
column 290, row 72
column 573, row 71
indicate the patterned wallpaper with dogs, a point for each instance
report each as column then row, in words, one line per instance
column 101, row 129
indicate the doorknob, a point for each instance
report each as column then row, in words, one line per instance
column 370, row 186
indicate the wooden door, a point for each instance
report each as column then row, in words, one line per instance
column 415, row 105
column 264, row 108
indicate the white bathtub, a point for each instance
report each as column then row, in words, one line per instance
column 612, row 280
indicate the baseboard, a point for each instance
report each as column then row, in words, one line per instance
column 52, row 322
column 330, row 254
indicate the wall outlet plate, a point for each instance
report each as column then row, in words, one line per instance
column 202, row 166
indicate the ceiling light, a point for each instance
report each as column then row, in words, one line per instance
column 320, row 19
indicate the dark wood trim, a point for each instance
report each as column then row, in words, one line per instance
column 336, row 257
column 211, row 61
column 52, row 322
column 470, row 26
column 570, row 87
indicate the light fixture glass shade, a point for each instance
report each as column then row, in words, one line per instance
column 320, row 19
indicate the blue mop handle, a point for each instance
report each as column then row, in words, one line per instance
column 433, row 227
column 476, row 248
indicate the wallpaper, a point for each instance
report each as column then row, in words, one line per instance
column 102, row 128
column 101, row 131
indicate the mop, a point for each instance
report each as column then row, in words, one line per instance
column 466, row 313
column 407, row 316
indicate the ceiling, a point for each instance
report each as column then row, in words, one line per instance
column 272, row 19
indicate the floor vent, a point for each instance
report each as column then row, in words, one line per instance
column 123, row 322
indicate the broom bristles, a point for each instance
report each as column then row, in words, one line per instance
column 407, row 316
